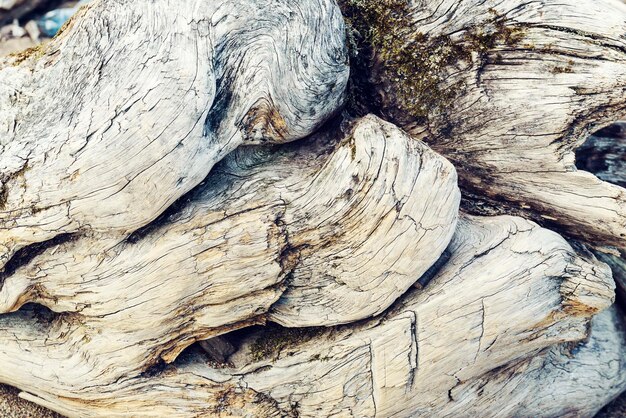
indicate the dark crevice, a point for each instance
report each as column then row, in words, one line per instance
column 433, row 270
column 41, row 313
column 272, row 340
column 170, row 215
column 219, row 349
column 214, row 352
column 220, row 179
column 216, row 179
column 156, row 369
column 265, row 341
column 25, row 255
column 604, row 154
column 192, row 354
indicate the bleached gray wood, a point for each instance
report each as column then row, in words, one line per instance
column 617, row 261
column 270, row 235
column 571, row 380
column 526, row 291
column 524, row 105
column 604, row 155
column 106, row 126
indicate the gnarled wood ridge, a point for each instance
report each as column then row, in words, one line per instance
column 193, row 223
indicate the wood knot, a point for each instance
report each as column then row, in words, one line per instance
column 263, row 123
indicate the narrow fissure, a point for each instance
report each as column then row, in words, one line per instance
column 25, row 255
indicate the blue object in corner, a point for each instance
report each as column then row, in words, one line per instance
column 50, row 23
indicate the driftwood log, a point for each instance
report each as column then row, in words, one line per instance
column 193, row 223
column 507, row 90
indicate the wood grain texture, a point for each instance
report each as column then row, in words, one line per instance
column 171, row 172
column 513, row 88
column 604, row 155
column 270, row 236
column 113, row 121
column 425, row 354
column 588, row 374
column 617, row 262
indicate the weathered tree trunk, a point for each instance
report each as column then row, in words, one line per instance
column 181, row 172
column 507, row 90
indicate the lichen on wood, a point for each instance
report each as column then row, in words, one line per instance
column 165, row 252
column 34, row 53
column 388, row 52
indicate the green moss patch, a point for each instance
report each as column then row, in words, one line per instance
column 387, row 50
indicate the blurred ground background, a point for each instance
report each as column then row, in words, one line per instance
column 18, row 27
column 11, row 406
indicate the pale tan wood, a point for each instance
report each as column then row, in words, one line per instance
column 529, row 82
column 144, row 204
column 269, row 237
column 425, row 354
column 111, row 122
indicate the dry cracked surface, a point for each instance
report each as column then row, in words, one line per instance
column 198, row 217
